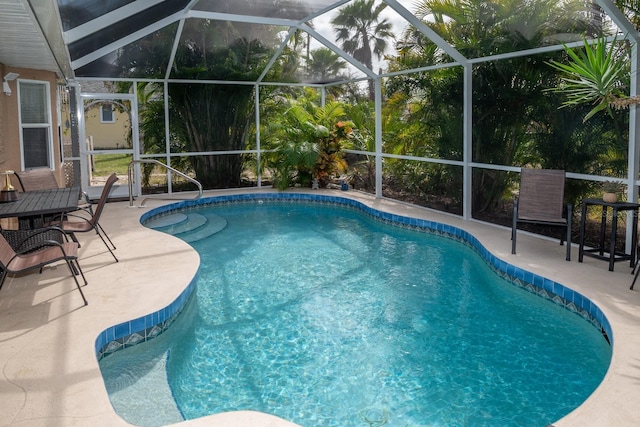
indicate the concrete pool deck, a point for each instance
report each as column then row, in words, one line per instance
column 50, row 374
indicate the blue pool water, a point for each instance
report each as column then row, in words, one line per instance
column 325, row 317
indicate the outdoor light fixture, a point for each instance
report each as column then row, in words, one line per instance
column 5, row 84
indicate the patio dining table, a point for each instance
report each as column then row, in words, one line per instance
column 34, row 208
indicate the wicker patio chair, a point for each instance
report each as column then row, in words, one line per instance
column 73, row 224
column 541, row 201
column 47, row 252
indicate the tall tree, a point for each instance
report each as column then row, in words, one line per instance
column 509, row 101
column 363, row 32
column 209, row 117
column 325, row 65
column 631, row 9
column 217, row 117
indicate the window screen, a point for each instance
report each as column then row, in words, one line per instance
column 35, row 124
column 106, row 114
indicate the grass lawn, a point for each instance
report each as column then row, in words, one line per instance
column 105, row 164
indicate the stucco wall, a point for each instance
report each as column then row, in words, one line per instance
column 10, row 156
column 107, row 135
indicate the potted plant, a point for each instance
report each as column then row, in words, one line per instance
column 611, row 190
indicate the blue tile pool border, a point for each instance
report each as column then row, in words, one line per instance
column 143, row 328
column 150, row 326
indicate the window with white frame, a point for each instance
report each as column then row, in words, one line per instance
column 106, row 114
column 35, row 124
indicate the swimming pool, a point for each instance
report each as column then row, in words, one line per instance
column 399, row 341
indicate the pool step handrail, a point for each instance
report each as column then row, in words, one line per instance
column 158, row 163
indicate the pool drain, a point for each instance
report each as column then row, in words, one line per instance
column 374, row 417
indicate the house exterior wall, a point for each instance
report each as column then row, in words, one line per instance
column 10, row 153
column 107, row 135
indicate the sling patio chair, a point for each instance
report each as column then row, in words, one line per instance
column 541, row 201
column 37, row 179
column 45, row 253
column 73, row 224
column 636, row 268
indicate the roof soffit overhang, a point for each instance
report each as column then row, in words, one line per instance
column 28, row 32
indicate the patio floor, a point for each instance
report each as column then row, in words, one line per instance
column 50, row 375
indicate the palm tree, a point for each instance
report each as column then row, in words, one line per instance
column 509, row 102
column 631, row 9
column 325, row 65
column 363, row 32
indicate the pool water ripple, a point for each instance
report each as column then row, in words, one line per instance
column 323, row 317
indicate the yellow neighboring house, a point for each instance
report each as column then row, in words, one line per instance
column 107, row 126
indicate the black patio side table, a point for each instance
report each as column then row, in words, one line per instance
column 601, row 252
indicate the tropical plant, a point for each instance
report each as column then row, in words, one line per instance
column 362, row 168
column 330, row 156
column 308, row 143
column 596, row 74
column 209, row 117
column 612, row 187
column 153, row 135
column 363, row 32
column 509, row 103
column 631, row 9
column 324, row 65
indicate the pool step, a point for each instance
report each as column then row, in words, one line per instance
column 190, row 227
column 165, row 221
column 213, row 225
column 141, row 407
column 178, row 223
